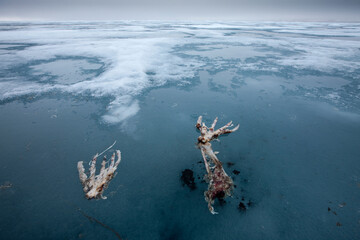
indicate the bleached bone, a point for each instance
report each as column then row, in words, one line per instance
column 220, row 184
column 94, row 185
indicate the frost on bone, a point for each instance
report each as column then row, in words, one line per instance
column 220, row 184
column 94, row 185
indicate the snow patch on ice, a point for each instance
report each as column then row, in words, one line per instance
column 138, row 56
column 121, row 109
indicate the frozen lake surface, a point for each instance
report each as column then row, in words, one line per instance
column 69, row 90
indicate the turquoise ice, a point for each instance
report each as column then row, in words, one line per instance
column 70, row 89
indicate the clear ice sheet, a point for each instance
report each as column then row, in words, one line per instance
column 68, row 90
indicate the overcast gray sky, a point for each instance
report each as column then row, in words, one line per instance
column 278, row 10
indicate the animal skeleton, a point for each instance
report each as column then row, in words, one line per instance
column 94, row 186
column 220, row 184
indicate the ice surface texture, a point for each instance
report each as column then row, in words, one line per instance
column 68, row 88
column 126, row 59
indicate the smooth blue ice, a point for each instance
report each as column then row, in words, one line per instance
column 69, row 90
